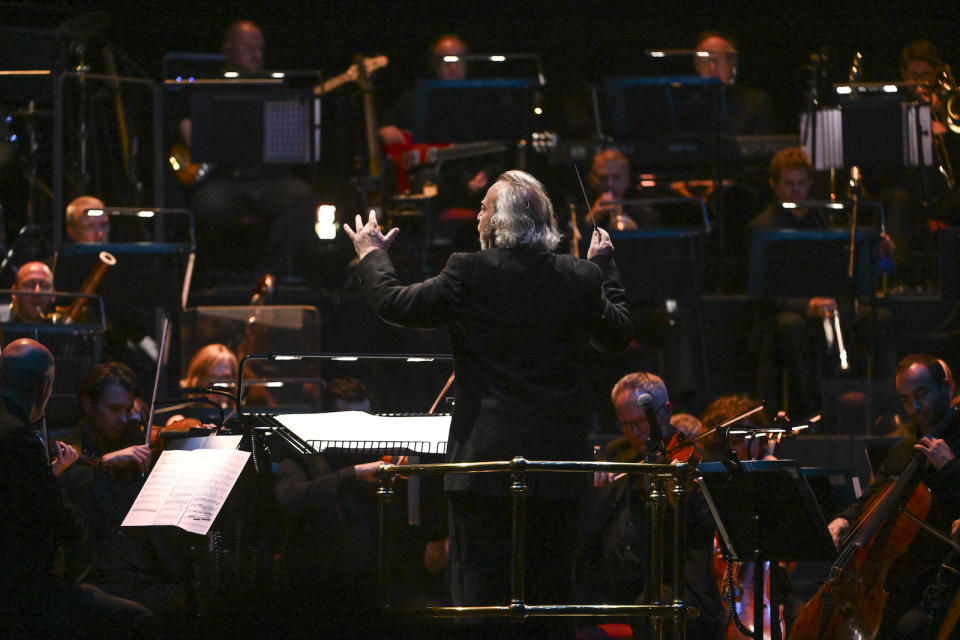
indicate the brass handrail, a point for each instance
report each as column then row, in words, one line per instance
column 517, row 609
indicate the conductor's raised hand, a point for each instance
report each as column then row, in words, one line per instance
column 368, row 237
column 600, row 244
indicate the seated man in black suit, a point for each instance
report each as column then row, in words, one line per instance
column 612, row 561
column 270, row 200
column 790, row 329
column 36, row 599
column 749, row 111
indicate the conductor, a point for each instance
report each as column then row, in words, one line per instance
column 524, row 323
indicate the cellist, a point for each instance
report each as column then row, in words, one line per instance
column 925, row 394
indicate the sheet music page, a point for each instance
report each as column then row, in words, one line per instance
column 364, row 427
column 187, row 489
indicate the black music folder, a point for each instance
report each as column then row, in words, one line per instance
column 766, row 506
column 474, row 110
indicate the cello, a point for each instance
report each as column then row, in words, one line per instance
column 850, row 603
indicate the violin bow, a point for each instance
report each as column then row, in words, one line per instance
column 156, row 377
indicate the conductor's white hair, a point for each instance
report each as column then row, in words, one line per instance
column 523, row 215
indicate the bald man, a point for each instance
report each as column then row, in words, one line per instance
column 749, row 111
column 87, row 223
column 243, row 47
column 35, row 280
column 36, row 520
column 231, row 198
column 26, row 378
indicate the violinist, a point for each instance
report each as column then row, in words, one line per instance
column 109, row 434
column 925, row 394
column 211, row 363
column 36, row 598
column 614, row 549
column 138, row 565
column 741, row 574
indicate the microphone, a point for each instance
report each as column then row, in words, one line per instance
column 655, row 437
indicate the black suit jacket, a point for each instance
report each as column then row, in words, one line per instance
column 523, row 325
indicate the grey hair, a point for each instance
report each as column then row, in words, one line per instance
column 644, row 383
column 523, row 215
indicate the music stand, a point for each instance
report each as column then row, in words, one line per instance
column 660, row 264
column 474, row 110
column 801, row 263
column 832, row 487
column 156, row 273
column 874, row 131
column 765, row 511
column 653, row 107
column 278, row 123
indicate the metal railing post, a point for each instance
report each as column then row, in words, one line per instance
column 384, row 497
column 518, row 489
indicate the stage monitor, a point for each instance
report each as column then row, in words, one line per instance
column 655, row 107
column 798, row 263
column 474, row 110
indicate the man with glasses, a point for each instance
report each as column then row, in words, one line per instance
column 33, row 278
column 749, row 111
column 614, row 550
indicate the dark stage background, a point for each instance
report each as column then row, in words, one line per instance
column 579, row 41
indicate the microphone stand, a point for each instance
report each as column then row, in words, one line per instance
column 813, row 102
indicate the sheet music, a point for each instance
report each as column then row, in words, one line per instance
column 187, row 489
column 357, row 426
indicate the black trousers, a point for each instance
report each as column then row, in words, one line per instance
column 49, row 607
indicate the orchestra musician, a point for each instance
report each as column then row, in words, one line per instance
column 402, row 113
column 786, row 334
column 346, row 394
column 925, row 395
column 36, row 599
column 610, row 180
column 328, row 559
column 104, row 484
column 523, row 322
column 110, row 421
column 918, row 202
column 749, row 111
column 229, row 196
column 84, row 228
column 462, row 184
column 614, row 551
column 35, row 279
